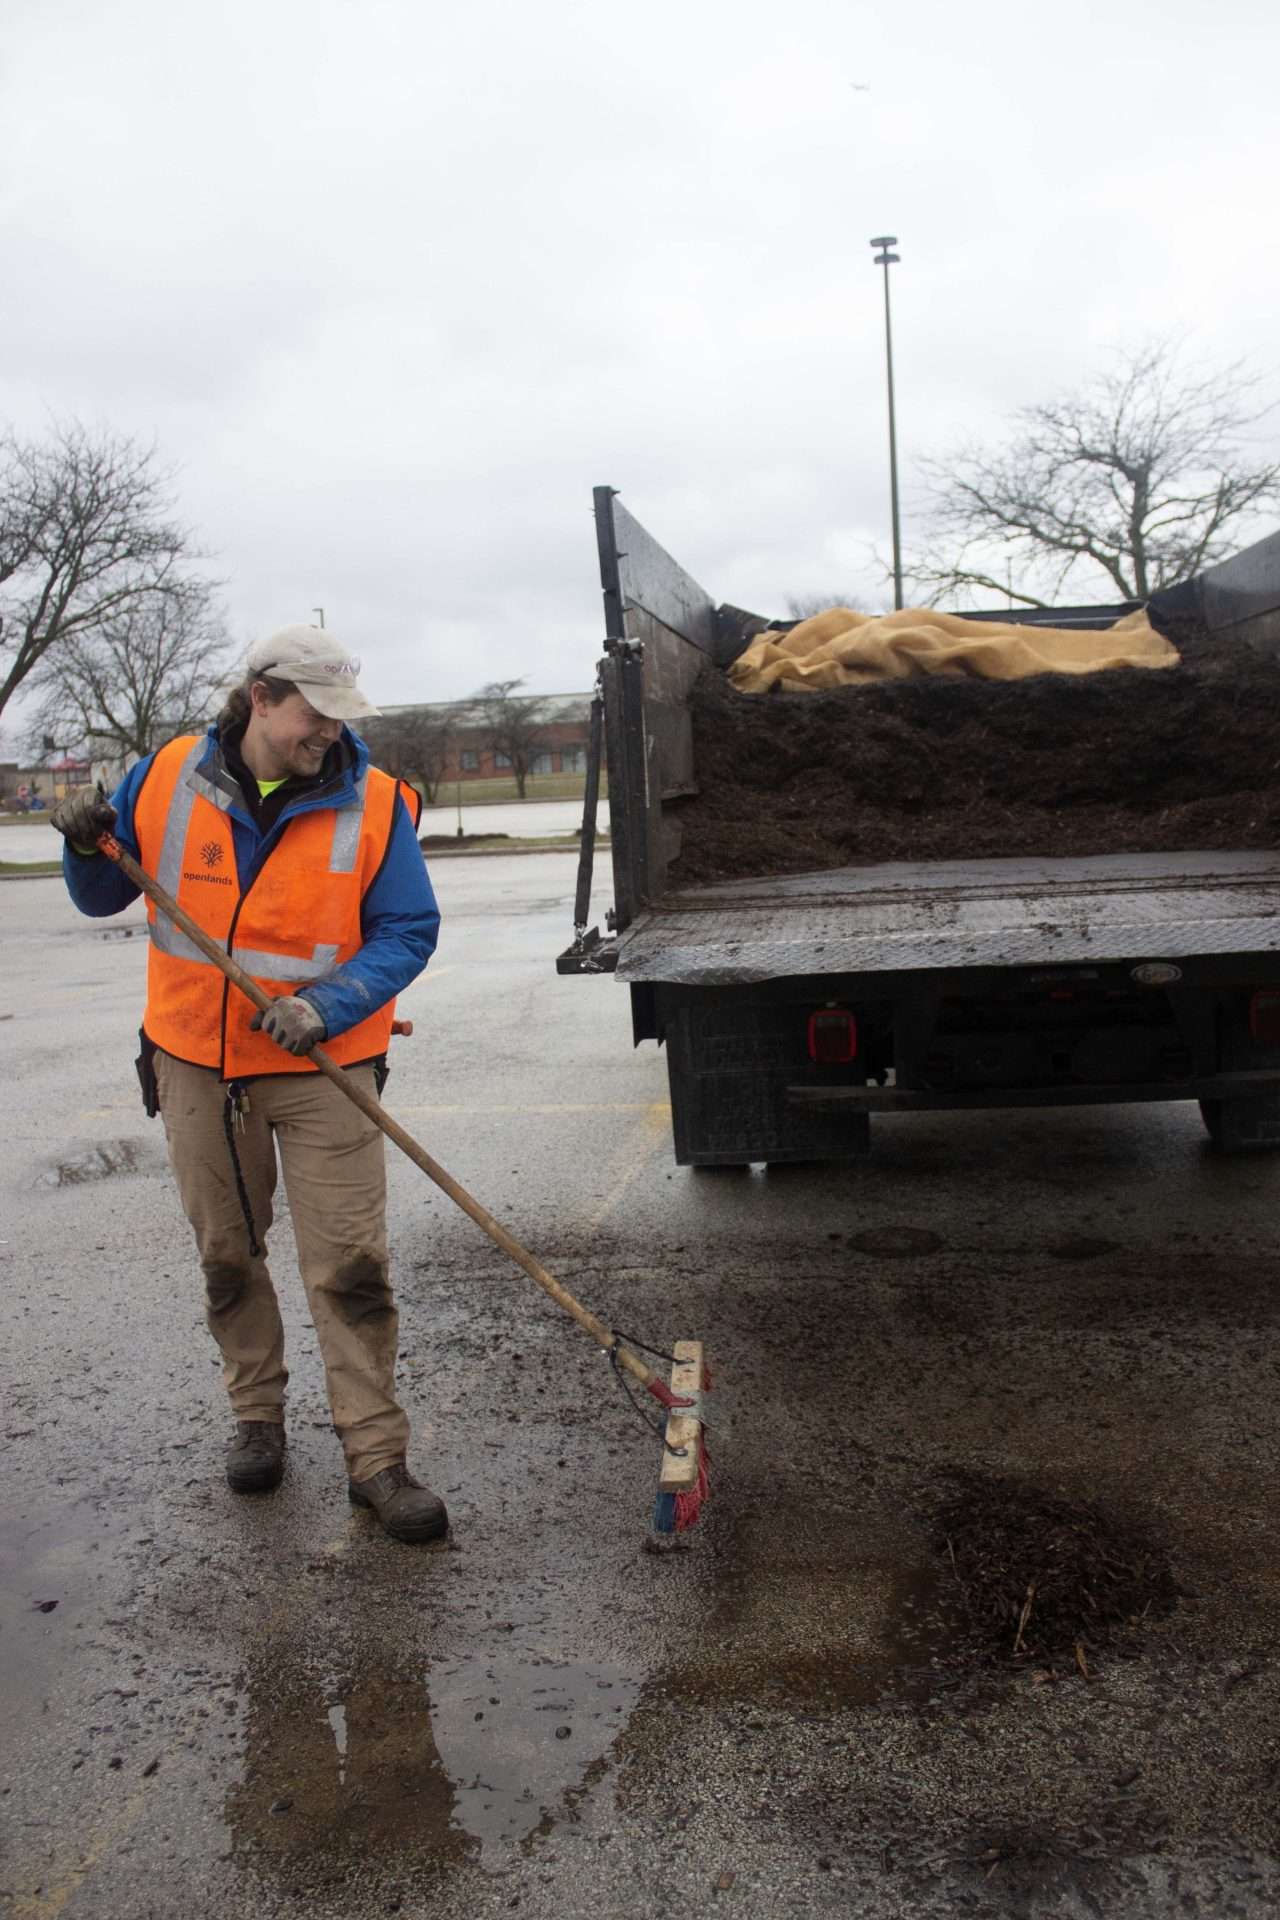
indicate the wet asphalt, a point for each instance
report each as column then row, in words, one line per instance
column 24, row 842
column 223, row 1705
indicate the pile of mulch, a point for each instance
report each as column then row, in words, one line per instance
column 1029, row 1577
column 1124, row 761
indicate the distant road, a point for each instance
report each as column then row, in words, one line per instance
column 532, row 820
column 41, row 842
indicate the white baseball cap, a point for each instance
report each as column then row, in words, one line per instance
column 318, row 666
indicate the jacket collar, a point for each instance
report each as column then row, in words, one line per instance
column 340, row 788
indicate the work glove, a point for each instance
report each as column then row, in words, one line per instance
column 292, row 1023
column 82, row 816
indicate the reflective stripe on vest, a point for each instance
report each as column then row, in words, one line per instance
column 312, row 882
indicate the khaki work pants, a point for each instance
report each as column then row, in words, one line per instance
column 335, row 1178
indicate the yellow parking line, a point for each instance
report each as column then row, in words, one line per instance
column 64, row 1880
column 638, row 1149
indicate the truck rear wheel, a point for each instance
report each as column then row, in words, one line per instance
column 1243, row 1126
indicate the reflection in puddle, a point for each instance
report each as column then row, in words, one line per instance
column 328, row 1784
column 389, row 1766
column 369, row 1761
column 522, row 1741
column 95, row 1163
column 338, row 1721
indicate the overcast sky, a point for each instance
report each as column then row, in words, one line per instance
column 394, row 283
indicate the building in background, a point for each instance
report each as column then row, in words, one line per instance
column 39, row 787
column 560, row 746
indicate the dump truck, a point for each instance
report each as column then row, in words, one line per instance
column 796, row 1006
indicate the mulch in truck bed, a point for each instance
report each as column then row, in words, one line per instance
column 1186, row 758
column 1031, row 1577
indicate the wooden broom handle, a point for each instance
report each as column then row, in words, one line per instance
column 368, row 1105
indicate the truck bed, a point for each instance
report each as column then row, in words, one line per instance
column 793, row 1005
column 1159, row 906
column 663, row 630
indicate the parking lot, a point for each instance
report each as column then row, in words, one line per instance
column 225, row 1705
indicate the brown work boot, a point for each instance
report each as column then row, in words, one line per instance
column 255, row 1457
column 407, row 1509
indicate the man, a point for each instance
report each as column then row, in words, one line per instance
column 280, row 839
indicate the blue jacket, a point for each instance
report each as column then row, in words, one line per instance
column 399, row 918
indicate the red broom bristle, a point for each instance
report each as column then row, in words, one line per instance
column 689, row 1505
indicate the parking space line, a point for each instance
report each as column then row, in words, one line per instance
column 639, row 1148
column 50, row 1899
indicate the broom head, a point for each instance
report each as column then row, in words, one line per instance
column 683, row 1484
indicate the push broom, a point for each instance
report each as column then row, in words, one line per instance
column 682, row 1483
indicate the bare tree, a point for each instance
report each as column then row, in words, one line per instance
column 411, row 745
column 1139, row 479
column 84, row 530
column 152, row 668
column 512, row 725
column 803, row 606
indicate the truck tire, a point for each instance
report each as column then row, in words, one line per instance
column 1243, row 1126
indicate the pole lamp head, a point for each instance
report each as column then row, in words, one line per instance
column 884, row 258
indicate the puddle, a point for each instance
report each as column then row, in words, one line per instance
column 522, row 1743
column 340, row 1770
column 109, row 1157
column 338, row 1727
column 896, row 1243
column 390, row 1762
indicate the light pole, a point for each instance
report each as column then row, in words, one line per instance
column 886, row 259
column 320, row 611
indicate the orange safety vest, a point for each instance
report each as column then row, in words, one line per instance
column 311, row 884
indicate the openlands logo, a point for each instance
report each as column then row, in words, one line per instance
column 212, row 855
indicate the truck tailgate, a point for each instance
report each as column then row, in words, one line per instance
column 979, row 913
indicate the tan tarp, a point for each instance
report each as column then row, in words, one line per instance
column 841, row 648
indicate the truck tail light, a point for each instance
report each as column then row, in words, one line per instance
column 1264, row 1017
column 833, row 1037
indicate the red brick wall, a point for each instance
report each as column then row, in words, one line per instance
column 553, row 739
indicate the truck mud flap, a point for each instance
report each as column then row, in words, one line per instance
column 730, row 1069
column 1243, row 1126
